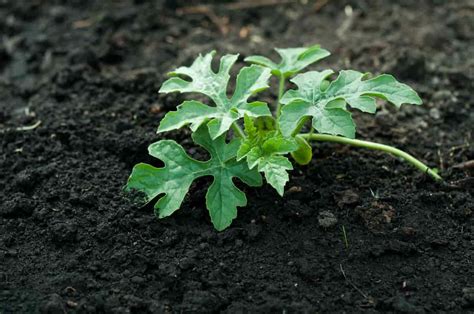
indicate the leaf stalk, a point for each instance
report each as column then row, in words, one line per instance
column 281, row 90
column 375, row 146
column 238, row 131
column 300, row 126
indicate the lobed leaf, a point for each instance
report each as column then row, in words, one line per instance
column 225, row 111
column 180, row 170
column 326, row 103
column 275, row 169
column 293, row 60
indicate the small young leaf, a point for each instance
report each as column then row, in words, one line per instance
column 304, row 153
column 275, row 169
column 250, row 80
column 180, row 170
column 293, row 60
column 327, row 105
column 263, row 149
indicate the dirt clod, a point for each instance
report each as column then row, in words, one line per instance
column 377, row 216
column 327, row 219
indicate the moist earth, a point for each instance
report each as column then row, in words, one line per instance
column 356, row 231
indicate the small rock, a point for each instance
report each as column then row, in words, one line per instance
column 442, row 96
column 327, row 219
column 156, row 108
column 348, row 197
column 294, row 189
column 435, row 113
column 71, row 304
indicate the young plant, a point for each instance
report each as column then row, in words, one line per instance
column 262, row 147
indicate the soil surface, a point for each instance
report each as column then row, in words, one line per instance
column 79, row 106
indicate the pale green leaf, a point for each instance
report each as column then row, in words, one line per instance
column 200, row 78
column 334, row 121
column 250, row 80
column 174, row 179
column 309, row 87
column 263, row 61
column 293, row 60
column 189, row 112
column 326, row 105
column 203, row 79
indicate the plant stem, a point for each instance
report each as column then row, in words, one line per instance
column 281, row 90
column 238, row 131
column 300, row 126
column 375, row 146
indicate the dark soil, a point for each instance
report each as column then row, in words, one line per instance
column 71, row 241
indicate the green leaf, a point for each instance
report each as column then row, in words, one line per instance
column 225, row 111
column 275, row 169
column 263, row 149
column 327, row 105
column 190, row 112
column 293, row 60
column 304, row 153
column 180, row 170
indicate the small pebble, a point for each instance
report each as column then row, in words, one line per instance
column 137, row 279
column 435, row 114
column 327, row 219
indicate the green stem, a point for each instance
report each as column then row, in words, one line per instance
column 281, row 90
column 375, row 146
column 300, row 126
column 238, row 131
